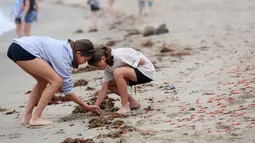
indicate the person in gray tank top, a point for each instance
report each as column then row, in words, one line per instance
column 49, row 61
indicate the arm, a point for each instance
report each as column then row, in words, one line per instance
column 36, row 6
column 102, row 93
column 104, row 89
column 36, row 9
column 67, row 87
column 75, row 99
column 87, row 107
column 26, row 8
column 20, row 9
column 141, row 62
column 63, row 68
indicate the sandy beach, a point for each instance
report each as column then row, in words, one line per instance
column 208, row 56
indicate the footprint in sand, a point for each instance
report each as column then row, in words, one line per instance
column 61, row 131
column 173, row 115
column 2, row 136
column 220, row 126
column 140, row 122
column 14, row 135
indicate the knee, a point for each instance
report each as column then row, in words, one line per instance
column 118, row 73
column 57, row 81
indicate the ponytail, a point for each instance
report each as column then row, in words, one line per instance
column 99, row 53
column 75, row 65
column 107, row 53
column 85, row 46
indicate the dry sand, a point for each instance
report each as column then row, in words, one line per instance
column 214, row 99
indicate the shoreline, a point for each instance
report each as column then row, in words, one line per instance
column 9, row 25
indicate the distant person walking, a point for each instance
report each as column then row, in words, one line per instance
column 142, row 6
column 17, row 17
column 29, row 15
column 111, row 9
column 94, row 7
column 151, row 4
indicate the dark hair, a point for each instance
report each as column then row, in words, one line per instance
column 85, row 46
column 99, row 53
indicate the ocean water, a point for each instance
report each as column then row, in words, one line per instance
column 6, row 23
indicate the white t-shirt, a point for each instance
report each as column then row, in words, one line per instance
column 124, row 57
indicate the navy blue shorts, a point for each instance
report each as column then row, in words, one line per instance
column 94, row 8
column 17, row 53
column 140, row 78
column 141, row 3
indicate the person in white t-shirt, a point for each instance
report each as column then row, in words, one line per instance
column 122, row 67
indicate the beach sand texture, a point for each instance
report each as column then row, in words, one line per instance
column 214, row 76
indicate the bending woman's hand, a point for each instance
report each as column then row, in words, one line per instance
column 93, row 108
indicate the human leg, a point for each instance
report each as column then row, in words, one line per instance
column 46, row 73
column 133, row 104
column 120, row 74
column 29, row 19
column 34, row 97
column 18, row 27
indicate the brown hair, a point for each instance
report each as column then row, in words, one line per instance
column 85, row 46
column 99, row 53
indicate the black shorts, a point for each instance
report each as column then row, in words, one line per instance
column 93, row 8
column 140, row 78
column 17, row 53
column 17, row 20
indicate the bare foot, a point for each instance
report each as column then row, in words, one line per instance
column 26, row 119
column 124, row 110
column 90, row 113
column 39, row 122
column 93, row 30
column 134, row 105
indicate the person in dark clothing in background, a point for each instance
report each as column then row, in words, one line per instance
column 94, row 7
column 30, row 14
